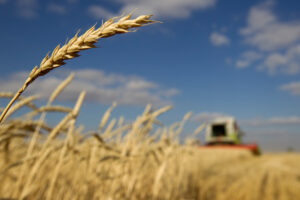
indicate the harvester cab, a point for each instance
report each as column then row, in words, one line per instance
column 223, row 131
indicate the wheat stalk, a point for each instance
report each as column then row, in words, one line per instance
column 34, row 171
column 66, row 141
column 46, row 108
column 71, row 49
column 11, row 95
column 18, row 105
column 106, row 116
column 36, row 133
column 55, row 93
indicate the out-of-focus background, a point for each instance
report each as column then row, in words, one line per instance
column 215, row 58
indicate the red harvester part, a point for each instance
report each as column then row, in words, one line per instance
column 251, row 147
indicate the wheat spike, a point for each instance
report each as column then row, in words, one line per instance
column 79, row 43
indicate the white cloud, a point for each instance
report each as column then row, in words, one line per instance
column 56, row 8
column 288, row 62
column 171, row 92
column 272, row 121
column 207, row 117
column 293, row 88
column 27, row 8
column 259, row 17
column 3, row 1
column 100, row 87
column 276, row 42
column 72, row 1
column 247, row 58
column 266, row 32
column 260, row 131
column 100, row 12
column 219, row 39
column 166, row 8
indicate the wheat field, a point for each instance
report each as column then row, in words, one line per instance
column 138, row 160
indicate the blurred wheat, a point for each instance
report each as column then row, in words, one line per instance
column 139, row 160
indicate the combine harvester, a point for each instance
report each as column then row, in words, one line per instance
column 225, row 133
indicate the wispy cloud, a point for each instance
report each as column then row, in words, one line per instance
column 218, row 39
column 287, row 63
column 267, row 32
column 207, row 117
column 248, row 58
column 277, row 40
column 101, row 87
column 56, row 8
column 99, row 12
column 166, row 8
column 27, row 8
column 72, row 1
column 3, row 1
column 293, row 88
column 289, row 120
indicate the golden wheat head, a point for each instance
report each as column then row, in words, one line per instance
column 79, row 43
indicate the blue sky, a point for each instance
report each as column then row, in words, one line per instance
column 212, row 57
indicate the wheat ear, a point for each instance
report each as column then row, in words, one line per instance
column 71, row 49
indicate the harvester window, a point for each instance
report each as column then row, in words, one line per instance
column 218, row 130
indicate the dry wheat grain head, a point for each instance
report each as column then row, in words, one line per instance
column 85, row 41
column 79, row 43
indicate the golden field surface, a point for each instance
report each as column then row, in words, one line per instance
column 132, row 161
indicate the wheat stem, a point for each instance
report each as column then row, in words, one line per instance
column 10, row 104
